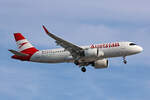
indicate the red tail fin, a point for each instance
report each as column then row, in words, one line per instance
column 18, row 36
column 24, row 46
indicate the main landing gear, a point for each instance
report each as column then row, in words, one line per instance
column 124, row 60
column 83, row 69
column 82, row 65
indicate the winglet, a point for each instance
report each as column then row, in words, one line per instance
column 45, row 29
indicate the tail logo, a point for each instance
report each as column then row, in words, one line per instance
column 22, row 44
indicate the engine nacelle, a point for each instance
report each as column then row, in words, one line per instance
column 93, row 52
column 100, row 64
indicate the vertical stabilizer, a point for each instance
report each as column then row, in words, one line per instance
column 24, row 45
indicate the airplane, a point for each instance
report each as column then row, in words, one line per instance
column 95, row 55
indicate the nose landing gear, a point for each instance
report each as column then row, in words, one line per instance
column 124, row 60
column 83, row 69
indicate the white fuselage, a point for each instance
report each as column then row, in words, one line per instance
column 106, row 50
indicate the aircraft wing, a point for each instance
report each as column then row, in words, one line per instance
column 75, row 50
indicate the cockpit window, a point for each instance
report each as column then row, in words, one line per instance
column 131, row 44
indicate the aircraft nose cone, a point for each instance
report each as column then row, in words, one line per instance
column 139, row 49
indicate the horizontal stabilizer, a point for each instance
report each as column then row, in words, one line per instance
column 18, row 53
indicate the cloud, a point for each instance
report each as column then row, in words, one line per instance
column 67, row 10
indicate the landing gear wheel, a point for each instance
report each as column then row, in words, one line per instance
column 76, row 62
column 124, row 60
column 83, row 69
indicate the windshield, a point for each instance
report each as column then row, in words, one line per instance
column 131, row 44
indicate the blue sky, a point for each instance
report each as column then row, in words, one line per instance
column 81, row 22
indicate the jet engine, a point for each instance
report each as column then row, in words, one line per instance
column 94, row 52
column 100, row 64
